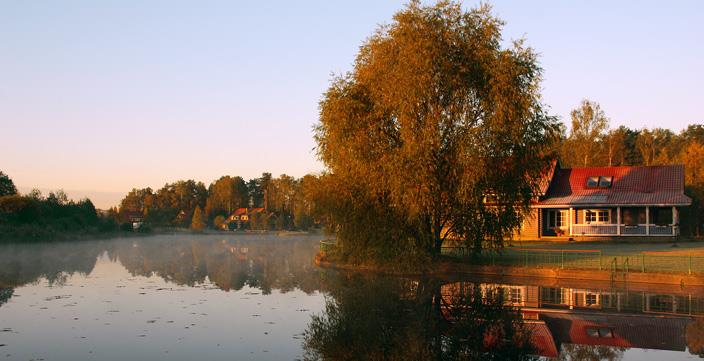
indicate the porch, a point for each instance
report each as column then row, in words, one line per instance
column 610, row 221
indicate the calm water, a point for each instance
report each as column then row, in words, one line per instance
column 256, row 297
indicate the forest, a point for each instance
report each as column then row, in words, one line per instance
column 34, row 216
column 288, row 202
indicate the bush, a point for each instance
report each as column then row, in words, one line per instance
column 107, row 225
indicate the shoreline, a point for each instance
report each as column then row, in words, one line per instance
column 450, row 269
column 27, row 236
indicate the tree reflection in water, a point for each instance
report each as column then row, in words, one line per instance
column 264, row 262
column 572, row 352
column 383, row 318
column 694, row 335
column 5, row 294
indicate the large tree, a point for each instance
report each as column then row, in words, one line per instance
column 589, row 124
column 615, row 146
column 435, row 117
column 226, row 195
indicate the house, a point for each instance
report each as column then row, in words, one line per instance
column 556, row 316
column 135, row 218
column 241, row 218
column 651, row 333
column 607, row 202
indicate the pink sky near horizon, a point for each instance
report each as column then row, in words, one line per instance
column 99, row 98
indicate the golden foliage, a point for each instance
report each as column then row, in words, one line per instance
column 434, row 116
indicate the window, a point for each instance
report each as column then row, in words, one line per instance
column 599, row 181
column 602, row 332
column 591, row 299
column 551, row 295
column 557, row 218
column 605, row 182
column 514, row 295
column 597, row 216
column 592, row 182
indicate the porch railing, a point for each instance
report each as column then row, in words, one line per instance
column 594, row 229
column 661, row 230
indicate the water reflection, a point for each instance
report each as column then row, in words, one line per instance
column 179, row 297
column 264, row 262
column 261, row 297
column 386, row 318
column 382, row 318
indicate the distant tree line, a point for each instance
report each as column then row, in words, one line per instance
column 287, row 203
column 591, row 142
column 35, row 216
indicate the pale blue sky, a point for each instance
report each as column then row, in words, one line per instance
column 103, row 96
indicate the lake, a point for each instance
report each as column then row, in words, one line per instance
column 260, row 297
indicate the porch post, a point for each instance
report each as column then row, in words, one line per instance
column 647, row 220
column 571, row 221
column 674, row 221
column 618, row 221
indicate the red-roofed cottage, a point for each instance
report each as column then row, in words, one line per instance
column 240, row 218
column 608, row 201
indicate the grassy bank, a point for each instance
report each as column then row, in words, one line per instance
column 447, row 267
column 691, row 246
column 26, row 233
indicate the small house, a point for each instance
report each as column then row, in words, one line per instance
column 241, row 218
column 618, row 201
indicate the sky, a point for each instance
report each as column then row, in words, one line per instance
column 99, row 97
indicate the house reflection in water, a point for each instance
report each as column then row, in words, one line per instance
column 558, row 316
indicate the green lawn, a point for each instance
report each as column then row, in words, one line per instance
column 694, row 248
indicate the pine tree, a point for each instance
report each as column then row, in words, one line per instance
column 197, row 222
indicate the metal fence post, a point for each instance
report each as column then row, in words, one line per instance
column 690, row 263
column 599, row 260
column 562, row 260
column 642, row 263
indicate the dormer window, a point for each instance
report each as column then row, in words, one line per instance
column 592, row 182
column 599, row 181
column 605, row 182
column 601, row 332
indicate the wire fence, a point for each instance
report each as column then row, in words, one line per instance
column 647, row 262
column 327, row 245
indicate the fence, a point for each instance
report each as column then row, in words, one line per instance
column 650, row 262
column 327, row 246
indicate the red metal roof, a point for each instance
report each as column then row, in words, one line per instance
column 243, row 211
column 645, row 332
column 240, row 211
column 655, row 185
column 541, row 339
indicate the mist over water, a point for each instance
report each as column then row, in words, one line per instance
column 260, row 297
